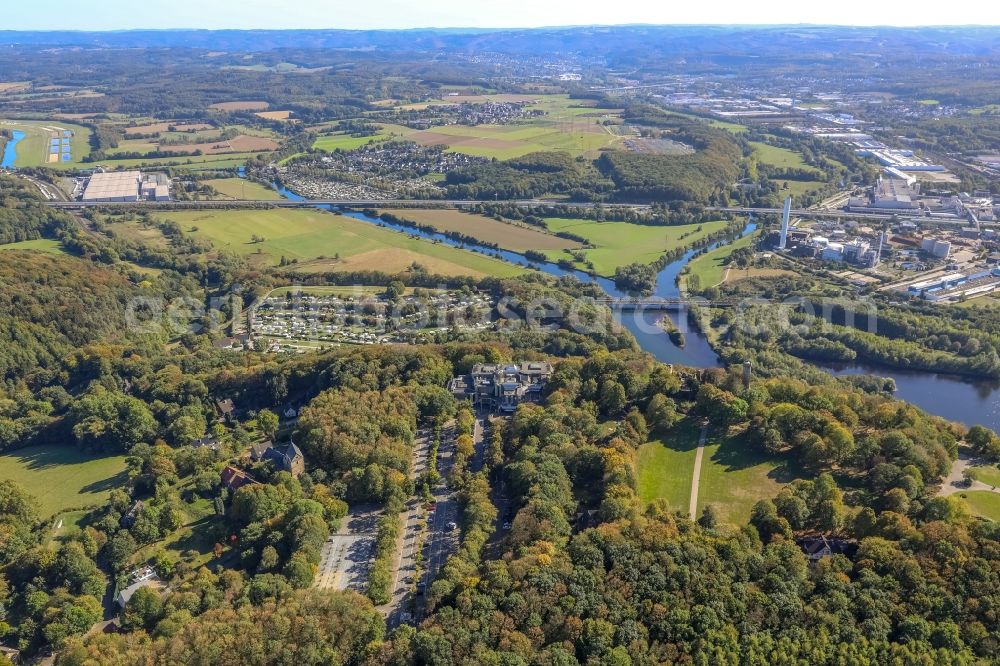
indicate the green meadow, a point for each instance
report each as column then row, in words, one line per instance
column 622, row 243
column 63, row 477
column 320, row 241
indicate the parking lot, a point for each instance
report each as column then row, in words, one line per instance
column 347, row 555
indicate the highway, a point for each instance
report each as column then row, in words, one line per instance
column 439, row 203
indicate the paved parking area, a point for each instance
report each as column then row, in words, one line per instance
column 347, row 555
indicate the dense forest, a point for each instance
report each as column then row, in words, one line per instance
column 112, row 351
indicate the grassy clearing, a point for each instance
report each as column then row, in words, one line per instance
column 62, row 477
column 990, row 475
column 709, row 267
column 734, row 476
column 782, row 158
column 315, row 238
column 241, row 188
column 622, row 243
column 666, row 467
column 33, row 150
column 983, row 503
column 734, row 128
column 39, row 245
column 506, row 235
column 798, row 188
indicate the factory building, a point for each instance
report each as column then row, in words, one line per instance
column 114, row 186
column 957, row 285
column 126, row 186
column 936, row 247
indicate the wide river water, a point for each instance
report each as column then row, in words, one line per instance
column 956, row 398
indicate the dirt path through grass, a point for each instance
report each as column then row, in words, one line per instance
column 696, row 477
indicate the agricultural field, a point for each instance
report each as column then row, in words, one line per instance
column 164, row 127
column 13, row 86
column 39, row 245
column 274, row 115
column 63, row 477
column 709, row 268
column 208, row 144
column 42, row 136
column 622, row 243
column 315, row 239
column 241, row 106
column 983, row 503
column 241, row 188
column 332, row 142
column 193, row 163
column 509, row 236
column 568, row 125
column 734, row 476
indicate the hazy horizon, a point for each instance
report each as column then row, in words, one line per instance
column 120, row 15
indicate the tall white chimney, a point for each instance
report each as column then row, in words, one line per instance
column 785, row 219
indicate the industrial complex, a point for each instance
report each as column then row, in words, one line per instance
column 125, row 186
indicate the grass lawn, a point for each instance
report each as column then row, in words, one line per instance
column 666, row 466
column 39, row 245
column 709, row 267
column 798, row 188
column 241, row 188
column 990, row 475
column 621, row 243
column 33, row 150
column 62, row 477
column 67, row 523
column 315, row 237
column 506, row 235
column 734, row 476
column 983, row 503
column 779, row 157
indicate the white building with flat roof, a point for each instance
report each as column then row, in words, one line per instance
column 113, row 186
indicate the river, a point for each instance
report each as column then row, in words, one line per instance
column 956, row 398
column 10, row 150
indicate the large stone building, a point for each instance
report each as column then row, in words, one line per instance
column 288, row 458
column 501, row 388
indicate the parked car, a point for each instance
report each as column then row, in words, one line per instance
column 451, row 526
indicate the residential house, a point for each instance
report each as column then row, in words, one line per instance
column 145, row 577
column 819, row 546
column 128, row 520
column 288, row 458
column 234, row 478
column 206, row 442
column 226, row 409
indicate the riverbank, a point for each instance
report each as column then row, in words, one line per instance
column 947, row 396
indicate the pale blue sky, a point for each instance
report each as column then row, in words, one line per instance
column 216, row 14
